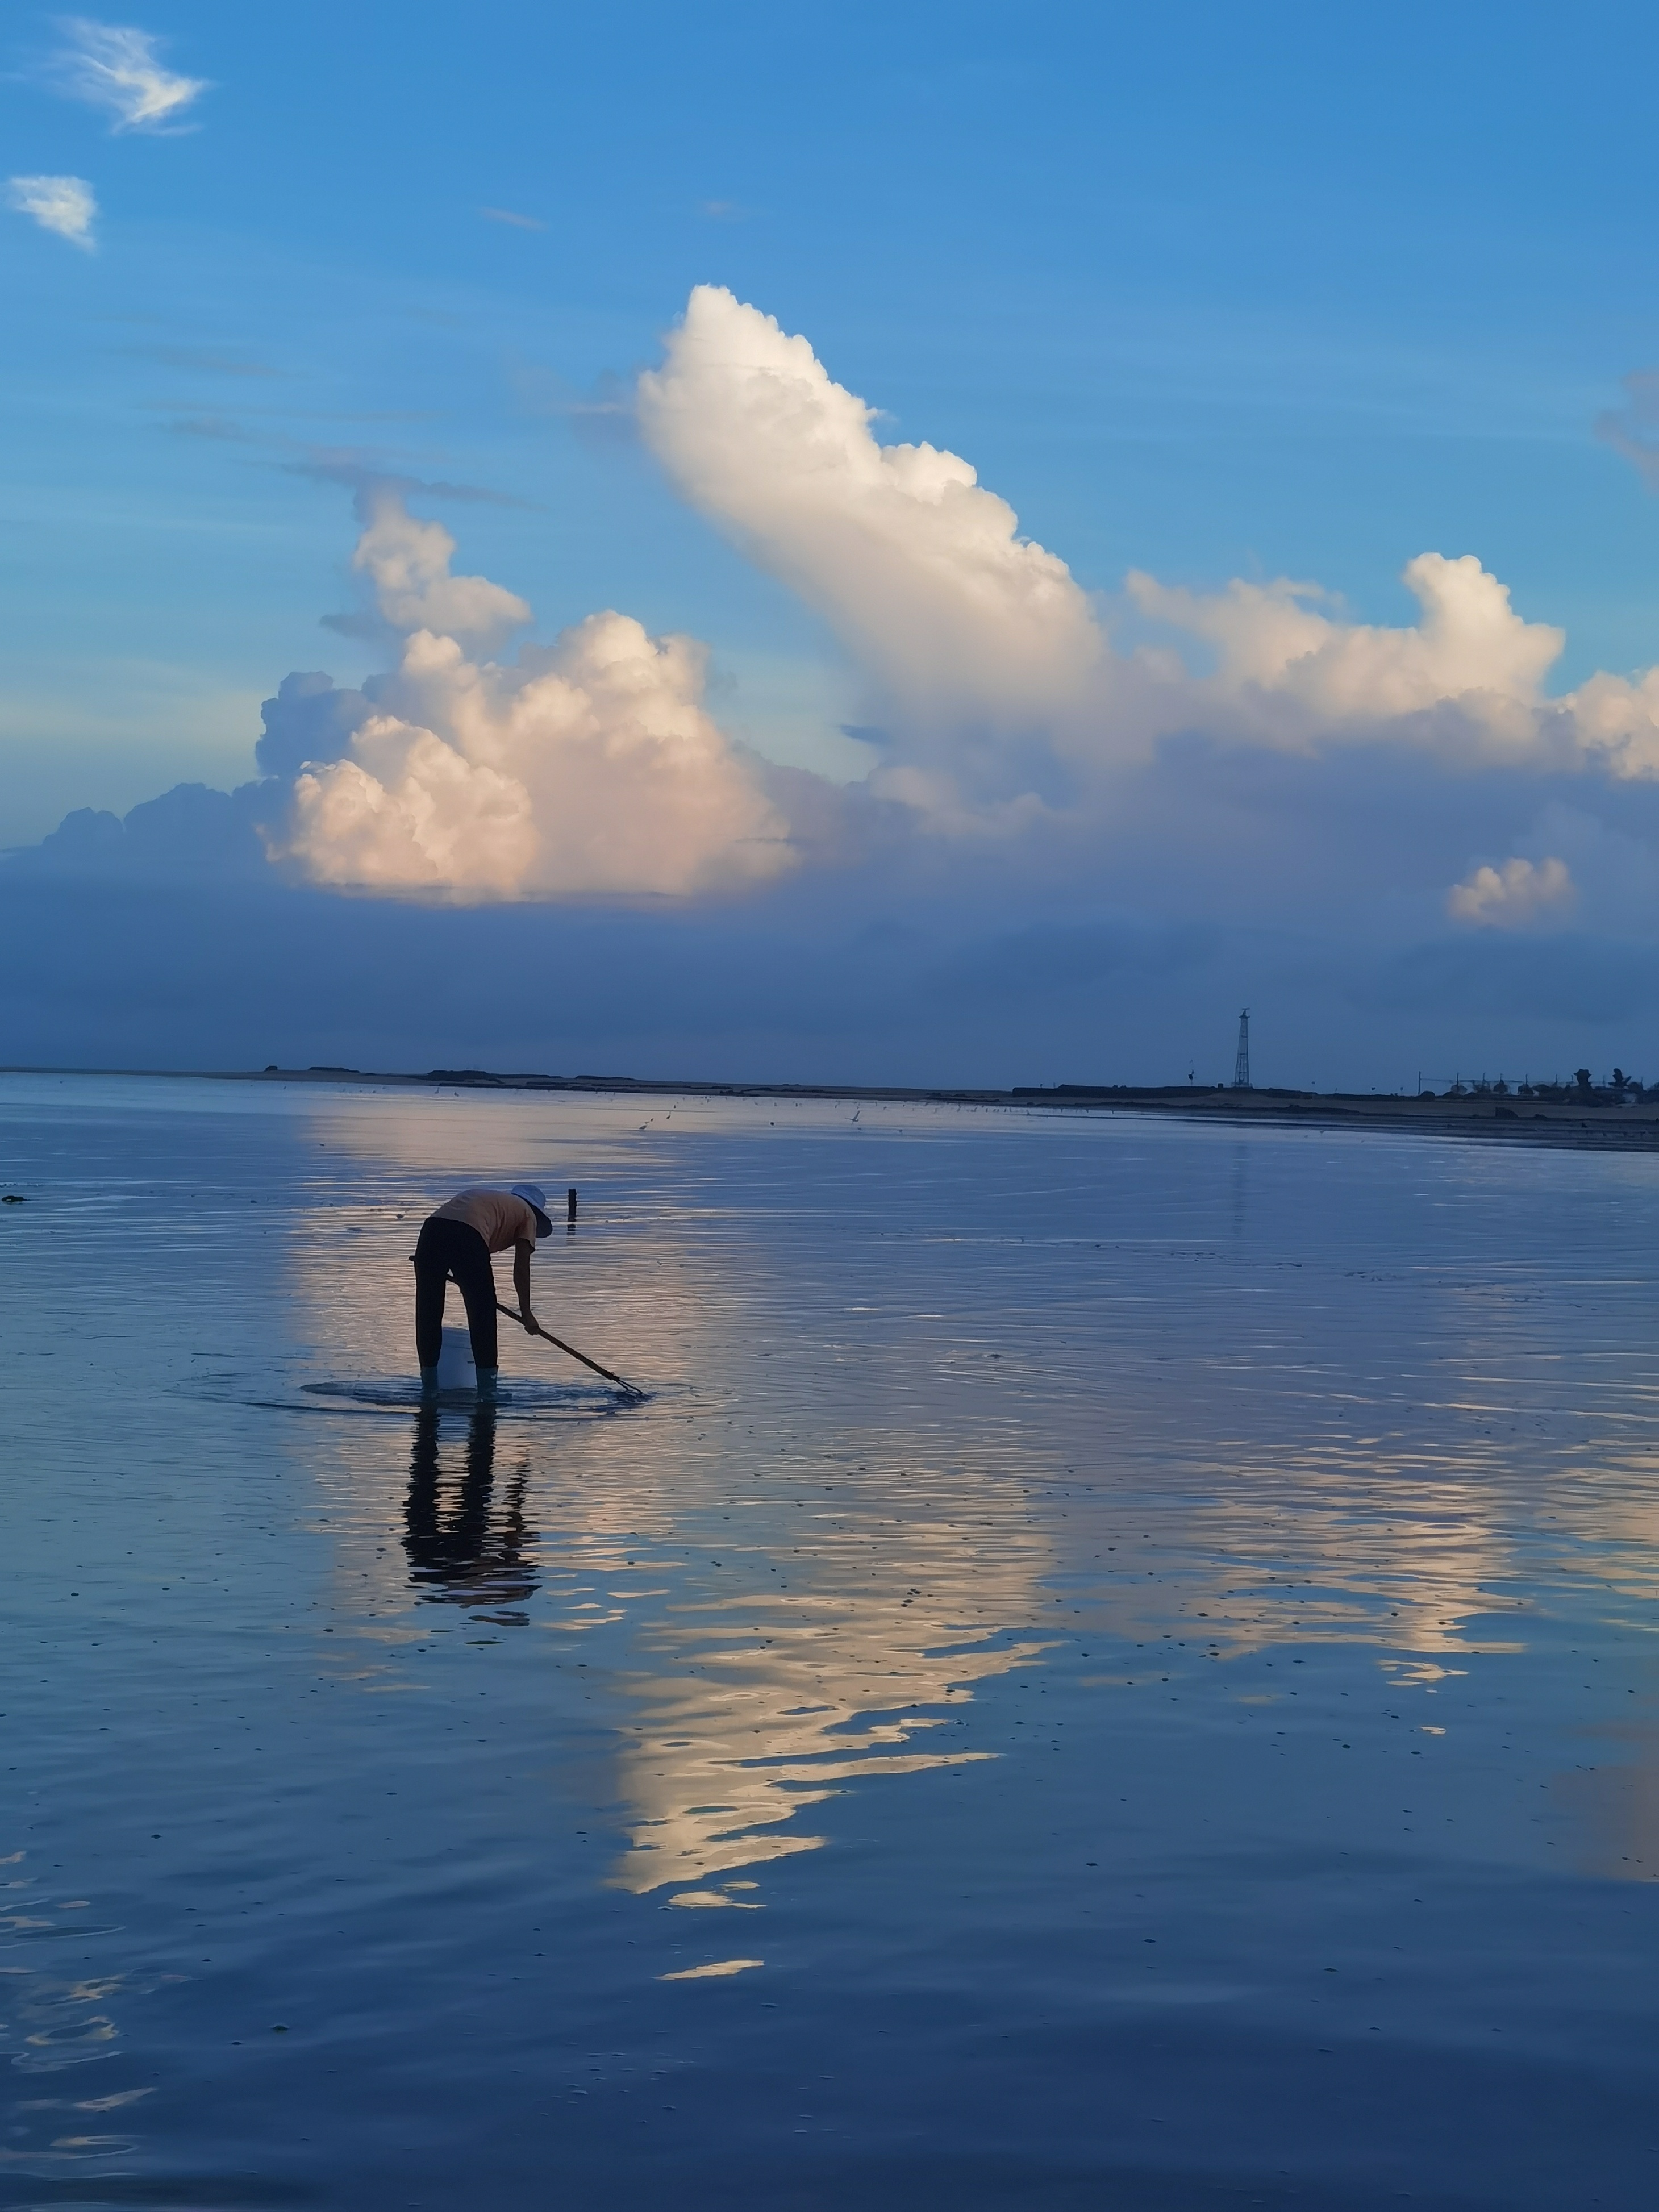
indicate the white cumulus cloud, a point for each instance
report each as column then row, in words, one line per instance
column 921, row 571
column 407, row 563
column 1613, row 722
column 586, row 768
column 996, row 693
column 1465, row 683
column 64, row 205
column 115, row 67
column 1507, row 897
column 1275, row 648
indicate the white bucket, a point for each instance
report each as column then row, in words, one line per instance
column 455, row 1367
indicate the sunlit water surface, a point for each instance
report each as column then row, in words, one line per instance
column 1114, row 1667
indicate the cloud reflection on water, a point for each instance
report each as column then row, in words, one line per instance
column 1260, row 1443
column 769, row 1703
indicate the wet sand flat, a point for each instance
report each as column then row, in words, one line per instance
column 1115, row 1665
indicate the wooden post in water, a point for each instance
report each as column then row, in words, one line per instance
column 570, row 1208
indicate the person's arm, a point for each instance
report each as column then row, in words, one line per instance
column 522, row 1253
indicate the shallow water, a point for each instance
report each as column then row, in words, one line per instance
column 1115, row 1666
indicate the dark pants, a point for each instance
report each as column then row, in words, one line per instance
column 446, row 1249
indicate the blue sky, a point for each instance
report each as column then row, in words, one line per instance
column 1207, row 292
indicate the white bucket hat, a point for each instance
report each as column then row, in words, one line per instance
column 535, row 1199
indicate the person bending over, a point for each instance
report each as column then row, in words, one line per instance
column 458, row 1240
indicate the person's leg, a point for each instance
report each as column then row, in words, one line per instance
column 431, row 1276
column 471, row 1267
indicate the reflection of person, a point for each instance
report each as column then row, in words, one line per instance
column 458, row 1240
column 458, row 1553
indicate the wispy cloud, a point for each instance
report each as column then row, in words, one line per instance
column 64, row 205
column 218, row 428
column 518, row 221
column 366, row 475
column 1629, row 430
column 603, row 412
column 117, row 67
column 208, row 364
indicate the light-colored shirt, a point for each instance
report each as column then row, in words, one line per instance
column 499, row 1218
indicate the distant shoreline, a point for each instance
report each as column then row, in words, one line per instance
column 1594, row 1124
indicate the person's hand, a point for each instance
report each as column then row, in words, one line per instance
column 532, row 1327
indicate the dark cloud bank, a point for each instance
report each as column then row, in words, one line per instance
column 1120, row 952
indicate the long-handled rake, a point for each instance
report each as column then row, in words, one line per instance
column 622, row 1383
